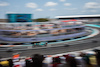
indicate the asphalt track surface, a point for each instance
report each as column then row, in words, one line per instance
column 56, row 50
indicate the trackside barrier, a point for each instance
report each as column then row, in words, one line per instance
column 94, row 33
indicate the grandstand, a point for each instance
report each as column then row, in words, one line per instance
column 84, row 18
column 42, row 32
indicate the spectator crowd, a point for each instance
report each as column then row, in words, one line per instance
column 69, row 60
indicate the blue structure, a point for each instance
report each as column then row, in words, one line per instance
column 13, row 18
